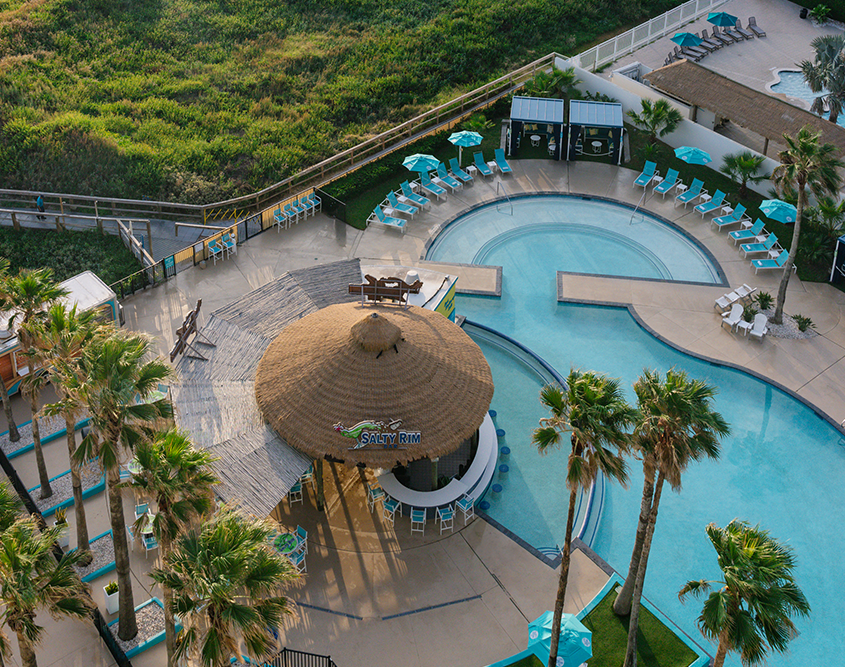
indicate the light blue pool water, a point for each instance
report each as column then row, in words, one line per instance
column 792, row 84
column 783, row 466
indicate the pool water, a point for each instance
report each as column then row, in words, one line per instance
column 792, row 84
column 782, row 467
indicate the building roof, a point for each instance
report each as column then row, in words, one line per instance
column 595, row 114
column 768, row 116
column 537, row 110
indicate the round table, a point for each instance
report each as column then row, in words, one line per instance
column 535, row 139
column 596, row 146
column 285, row 543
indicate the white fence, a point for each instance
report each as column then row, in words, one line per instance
column 643, row 34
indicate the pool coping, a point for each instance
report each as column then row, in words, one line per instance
column 784, row 96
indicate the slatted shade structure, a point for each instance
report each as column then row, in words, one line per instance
column 349, row 380
column 539, row 116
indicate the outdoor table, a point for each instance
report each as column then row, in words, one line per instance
column 535, row 139
column 705, row 198
column 494, row 166
column 657, row 180
column 134, row 466
column 471, row 170
column 727, row 210
column 596, row 146
column 147, row 526
column 743, row 326
column 285, row 543
column 681, row 188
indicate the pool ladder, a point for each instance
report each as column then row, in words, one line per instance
column 640, row 203
column 500, row 185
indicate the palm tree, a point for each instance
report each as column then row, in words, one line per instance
column 179, row 479
column 676, row 424
column 827, row 73
column 805, row 163
column 594, row 413
column 743, row 167
column 752, row 610
column 31, row 579
column 227, row 585
column 61, row 339
column 14, row 436
column 657, row 118
column 27, row 294
column 114, row 384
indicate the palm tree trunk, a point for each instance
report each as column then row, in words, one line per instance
column 46, row 490
column 722, row 651
column 634, row 622
column 14, row 436
column 622, row 605
column 27, row 654
column 76, row 481
column 127, row 626
column 167, row 595
column 318, row 473
column 777, row 318
column 564, row 578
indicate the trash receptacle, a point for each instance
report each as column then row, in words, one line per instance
column 804, row 12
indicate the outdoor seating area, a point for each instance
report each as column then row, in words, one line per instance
column 296, row 209
column 727, row 29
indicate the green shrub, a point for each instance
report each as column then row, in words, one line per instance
column 764, row 300
column 803, row 323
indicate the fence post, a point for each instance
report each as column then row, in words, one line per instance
column 15, row 223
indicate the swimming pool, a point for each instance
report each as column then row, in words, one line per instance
column 783, row 466
column 792, row 84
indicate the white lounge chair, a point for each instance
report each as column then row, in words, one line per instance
column 726, row 301
column 734, row 317
column 759, row 327
column 745, row 291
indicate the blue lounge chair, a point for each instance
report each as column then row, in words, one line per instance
column 409, row 195
column 431, row 188
column 747, row 234
column 693, row 193
column 667, row 183
column 447, row 181
column 733, row 219
column 446, row 176
column 776, row 263
column 400, row 207
column 388, row 221
column 712, row 205
column 457, row 172
column 482, row 167
column 760, row 246
column 504, row 167
column 648, row 174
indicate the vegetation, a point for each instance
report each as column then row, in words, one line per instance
column 657, row 118
column 827, row 73
column 764, row 300
column 751, row 611
column 803, row 322
column 595, row 415
column 14, row 436
column 743, row 167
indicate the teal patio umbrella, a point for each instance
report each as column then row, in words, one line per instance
column 686, row 39
column 722, row 19
column 775, row 209
column 465, row 138
column 692, row 155
column 420, row 162
column 576, row 641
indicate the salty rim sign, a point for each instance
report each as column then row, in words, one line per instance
column 372, row 434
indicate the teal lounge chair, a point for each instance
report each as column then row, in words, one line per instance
column 693, row 193
column 733, row 219
column 747, row 234
column 446, row 180
column 504, row 167
column 408, row 195
column 667, row 183
column 457, row 172
column 431, row 188
column 712, row 205
column 388, row 221
column 765, row 246
column 648, row 174
column 400, row 207
column 446, row 176
column 482, row 167
column 776, row 263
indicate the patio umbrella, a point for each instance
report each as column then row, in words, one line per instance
column 420, row 162
column 465, row 138
column 575, row 646
column 722, row 19
column 692, row 155
column 775, row 209
column 686, row 39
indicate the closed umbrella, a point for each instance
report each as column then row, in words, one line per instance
column 684, row 39
column 775, row 209
column 465, row 138
column 420, row 162
column 576, row 641
column 722, row 19
column 692, row 155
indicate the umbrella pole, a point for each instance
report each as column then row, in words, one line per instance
column 460, row 155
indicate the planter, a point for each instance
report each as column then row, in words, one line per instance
column 94, row 487
column 147, row 637
column 48, row 437
column 112, row 601
column 64, row 538
column 103, row 563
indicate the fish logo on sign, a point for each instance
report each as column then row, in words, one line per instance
column 370, row 433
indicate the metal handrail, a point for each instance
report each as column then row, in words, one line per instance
column 501, row 185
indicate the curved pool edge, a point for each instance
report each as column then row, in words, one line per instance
column 804, row 103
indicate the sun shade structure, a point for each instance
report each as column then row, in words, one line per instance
column 349, row 380
column 536, row 116
column 686, row 39
column 693, row 155
column 782, row 211
column 595, row 128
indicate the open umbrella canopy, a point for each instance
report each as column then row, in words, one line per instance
column 722, row 19
column 420, row 162
column 576, row 641
column 466, row 138
column 692, row 155
column 775, row 209
column 686, row 39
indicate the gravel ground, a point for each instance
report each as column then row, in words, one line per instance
column 103, row 550
column 49, row 425
column 63, row 487
column 786, row 330
column 150, row 623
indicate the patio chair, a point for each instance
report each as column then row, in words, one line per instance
column 431, row 188
column 316, row 202
column 389, row 507
column 387, row 221
column 466, row 504
column 282, row 219
column 764, row 246
column 712, row 205
column 713, row 43
column 124, row 472
column 649, row 172
column 150, row 544
column 308, row 476
column 229, row 244
column 741, row 31
column 448, row 178
column 141, row 510
column 753, row 27
column 417, row 521
column 374, row 495
column 695, row 191
column 457, row 172
column 725, row 38
column 292, row 211
column 306, row 204
column 734, row 317
column 215, row 250
column 301, row 211
column 726, row 301
column 446, row 517
column 746, row 234
column 130, row 534
column 295, row 493
column 298, row 560
column 504, row 167
column 449, row 182
column 759, row 327
column 708, row 46
column 399, row 207
column 745, row 292
column 483, row 169
column 301, row 540
column 667, row 183
column 734, row 218
column 733, row 33
column 772, row 263
column 408, row 195
column 687, row 54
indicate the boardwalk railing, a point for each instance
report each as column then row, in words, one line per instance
column 290, row 658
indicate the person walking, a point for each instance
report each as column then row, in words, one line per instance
column 39, row 203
